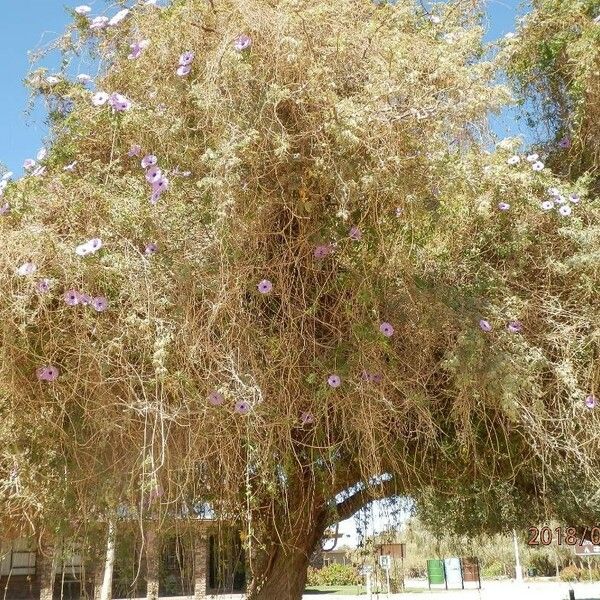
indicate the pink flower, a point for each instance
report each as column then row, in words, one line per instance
column 399, row 211
column 387, row 329
column 334, row 381
column 100, row 98
column 118, row 17
column 323, row 250
column 243, row 42
column 28, row 164
column 564, row 143
column 99, row 22
column 119, row 103
column 355, row 233
column 71, row 297
column 186, row 59
column 485, row 325
column 306, row 418
column 84, row 78
column 135, row 150
column 242, row 407
column 148, row 161
column 183, row 70
column 153, row 174
column 514, row 327
column 99, row 304
column 215, row 398
column 591, row 401
column 43, row 286
column 27, row 268
column 150, row 248
column 4, row 209
column 265, row 286
column 137, row 48
column 47, row 373
column 503, row 206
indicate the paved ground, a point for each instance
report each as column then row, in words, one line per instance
column 491, row 590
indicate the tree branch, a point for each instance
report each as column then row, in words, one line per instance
column 346, row 508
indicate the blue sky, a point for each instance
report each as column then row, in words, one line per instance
column 30, row 24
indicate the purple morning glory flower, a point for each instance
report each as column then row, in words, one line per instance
column 27, row 268
column 355, row 233
column 83, row 9
column 150, row 248
column 99, row 304
column 554, row 191
column 387, row 329
column 538, row 166
column 43, row 286
column 47, row 373
column 334, row 381
column 514, row 160
column 243, row 42
column 376, row 378
column 183, row 70
column 4, row 209
column 547, row 205
column 137, row 48
column 485, row 325
column 242, row 407
column 399, row 211
column 99, row 22
column 591, row 401
column 135, row 150
column 565, row 210
column 42, row 154
column 215, row 398
column 85, row 299
column 153, row 174
column 365, row 376
column 574, row 198
column 119, row 103
column 306, row 418
column 323, row 250
column 564, row 143
column 70, row 167
column 186, row 59
column 100, row 98
column 83, row 78
column 71, row 297
column 514, row 327
column 160, row 186
column 118, row 17
column 503, row 206
column 148, row 161
column 28, row 164
column 265, row 286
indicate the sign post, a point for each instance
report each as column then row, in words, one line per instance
column 385, row 562
column 366, row 571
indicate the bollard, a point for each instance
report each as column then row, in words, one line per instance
column 571, row 594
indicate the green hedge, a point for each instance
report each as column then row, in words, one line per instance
column 334, row 575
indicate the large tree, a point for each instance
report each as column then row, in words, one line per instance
column 326, row 290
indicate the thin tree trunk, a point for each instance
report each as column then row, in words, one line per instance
column 106, row 589
column 152, row 562
column 45, row 569
column 200, row 565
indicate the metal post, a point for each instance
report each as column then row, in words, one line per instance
column 369, row 591
column 571, row 594
column 387, row 575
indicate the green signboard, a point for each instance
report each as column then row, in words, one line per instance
column 435, row 572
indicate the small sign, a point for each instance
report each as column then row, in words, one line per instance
column 365, row 570
column 587, row 548
column 385, row 562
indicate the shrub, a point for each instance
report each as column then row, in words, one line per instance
column 570, row 573
column 334, row 575
column 494, row 569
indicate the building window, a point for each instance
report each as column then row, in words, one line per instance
column 17, row 559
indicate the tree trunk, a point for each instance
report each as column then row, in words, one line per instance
column 106, row 589
column 45, row 570
column 152, row 562
column 286, row 578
